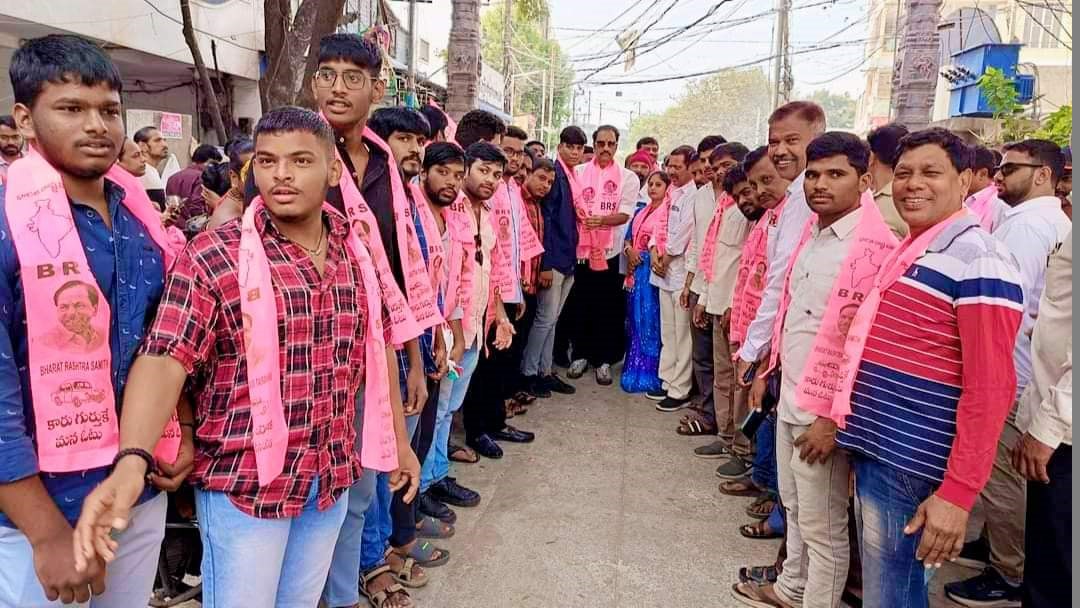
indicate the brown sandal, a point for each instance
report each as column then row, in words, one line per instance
column 460, row 453
column 392, row 593
column 739, row 487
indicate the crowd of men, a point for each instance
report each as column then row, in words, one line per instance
column 875, row 336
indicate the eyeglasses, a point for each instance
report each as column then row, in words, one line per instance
column 479, row 250
column 1008, row 169
column 513, row 153
column 355, row 80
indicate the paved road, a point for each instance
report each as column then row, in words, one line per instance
column 608, row 508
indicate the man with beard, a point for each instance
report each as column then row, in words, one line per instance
column 983, row 197
column 345, row 86
column 1032, row 227
column 608, row 196
column 1064, row 185
column 516, row 244
column 11, row 144
column 100, row 235
column 711, row 285
column 155, row 151
column 650, row 146
column 390, row 520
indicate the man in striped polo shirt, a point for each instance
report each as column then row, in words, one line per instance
column 936, row 378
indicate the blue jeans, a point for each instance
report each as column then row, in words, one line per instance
column 764, row 473
column 541, row 339
column 886, row 499
column 343, row 583
column 249, row 561
column 451, row 396
column 378, row 524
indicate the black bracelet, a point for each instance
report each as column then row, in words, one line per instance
column 190, row 425
column 151, row 465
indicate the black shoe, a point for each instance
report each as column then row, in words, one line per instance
column 513, row 435
column 555, row 384
column 671, row 404
column 975, row 554
column 659, row 395
column 432, row 507
column 537, row 387
column 451, row 492
column 486, row 447
column 988, row 589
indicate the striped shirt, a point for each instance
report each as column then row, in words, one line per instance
column 937, row 376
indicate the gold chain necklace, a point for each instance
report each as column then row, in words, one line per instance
column 318, row 246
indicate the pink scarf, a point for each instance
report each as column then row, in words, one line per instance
column 259, row 302
column 982, row 205
column 601, row 191
column 708, row 248
column 648, row 221
column 873, row 243
column 71, row 378
column 571, row 177
column 451, row 124
column 463, row 266
column 752, row 274
column 507, row 197
column 436, row 253
column 894, row 267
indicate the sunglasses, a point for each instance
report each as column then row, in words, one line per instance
column 479, row 250
column 1008, row 169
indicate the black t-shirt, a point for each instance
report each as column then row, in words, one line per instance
column 379, row 196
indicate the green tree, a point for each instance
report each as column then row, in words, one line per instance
column 732, row 103
column 1057, row 127
column 839, row 109
column 531, row 57
column 1002, row 97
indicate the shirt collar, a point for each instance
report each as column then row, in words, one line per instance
column 886, row 190
column 843, row 227
column 339, row 228
column 1039, row 203
column 796, row 187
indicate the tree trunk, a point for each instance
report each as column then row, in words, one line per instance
column 204, row 75
column 288, row 39
column 463, row 58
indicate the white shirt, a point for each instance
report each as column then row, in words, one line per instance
column 782, row 242
column 628, row 198
column 718, row 293
column 151, row 180
column 704, row 204
column 1045, row 409
column 680, row 226
column 1031, row 231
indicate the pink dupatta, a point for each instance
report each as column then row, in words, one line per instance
column 873, row 243
column 894, row 267
column 982, row 205
column 708, row 248
column 647, row 222
column 507, row 197
column 75, row 412
column 752, row 274
column 600, row 194
column 259, row 302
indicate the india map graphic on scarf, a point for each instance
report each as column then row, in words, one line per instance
column 51, row 227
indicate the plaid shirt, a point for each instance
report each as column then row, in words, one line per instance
column 530, row 276
column 321, row 322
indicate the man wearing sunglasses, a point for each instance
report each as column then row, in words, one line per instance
column 1031, row 228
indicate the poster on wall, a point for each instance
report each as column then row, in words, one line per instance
column 172, row 126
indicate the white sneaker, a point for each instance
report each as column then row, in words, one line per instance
column 577, row 368
column 603, row 375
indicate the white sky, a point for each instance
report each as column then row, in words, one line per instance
column 827, row 22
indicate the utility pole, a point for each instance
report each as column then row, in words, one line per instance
column 916, row 70
column 463, row 58
column 601, row 119
column 508, row 64
column 411, row 84
column 551, row 79
column 782, row 79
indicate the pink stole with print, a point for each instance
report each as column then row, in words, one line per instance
column 436, row 253
column 982, row 205
column 708, row 248
column 648, row 221
column 752, row 274
column 263, row 354
column 463, row 268
column 601, row 192
column 873, row 243
column 507, row 197
column 893, row 267
column 75, row 412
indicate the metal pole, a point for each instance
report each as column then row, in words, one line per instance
column 508, row 15
column 782, row 67
column 411, row 85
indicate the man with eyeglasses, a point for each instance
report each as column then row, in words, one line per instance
column 346, row 84
column 1031, row 229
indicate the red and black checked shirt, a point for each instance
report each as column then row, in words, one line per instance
column 321, row 324
column 530, row 275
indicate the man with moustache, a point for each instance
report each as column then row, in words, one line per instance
column 983, row 197
column 1031, row 228
column 11, row 144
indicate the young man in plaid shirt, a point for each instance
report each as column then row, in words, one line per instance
column 198, row 341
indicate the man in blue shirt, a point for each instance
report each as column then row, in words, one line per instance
column 67, row 100
column 556, row 269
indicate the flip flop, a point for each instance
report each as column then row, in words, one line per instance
column 434, row 528
column 470, row 456
column 739, row 487
column 524, row 398
column 423, row 552
column 759, row 531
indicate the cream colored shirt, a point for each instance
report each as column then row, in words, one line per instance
column 812, row 280
column 887, row 206
column 1045, row 408
column 704, row 204
column 718, row 293
column 482, row 284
